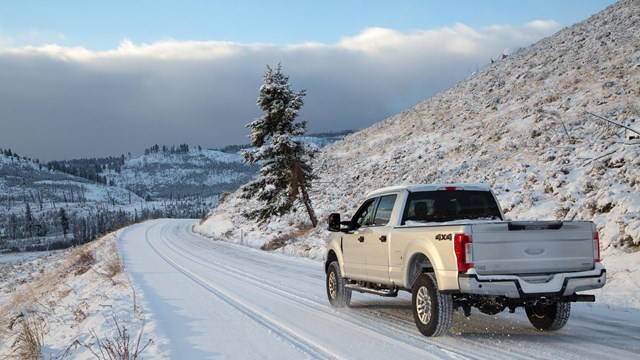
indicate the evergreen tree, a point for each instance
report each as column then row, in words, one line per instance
column 28, row 221
column 14, row 229
column 64, row 221
column 286, row 173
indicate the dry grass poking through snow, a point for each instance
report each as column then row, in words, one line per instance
column 78, row 304
column 282, row 240
column 30, row 339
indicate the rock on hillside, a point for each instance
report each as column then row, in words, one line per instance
column 521, row 124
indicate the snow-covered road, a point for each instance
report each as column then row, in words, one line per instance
column 212, row 299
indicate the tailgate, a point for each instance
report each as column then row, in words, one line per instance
column 532, row 247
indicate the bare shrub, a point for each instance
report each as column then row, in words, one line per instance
column 113, row 267
column 113, row 264
column 275, row 243
column 30, row 340
column 562, row 211
column 119, row 347
column 83, row 260
column 282, row 240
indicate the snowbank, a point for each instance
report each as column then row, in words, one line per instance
column 76, row 302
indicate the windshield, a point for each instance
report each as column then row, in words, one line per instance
column 450, row 205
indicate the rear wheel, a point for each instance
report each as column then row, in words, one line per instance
column 432, row 310
column 336, row 292
column 549, row 317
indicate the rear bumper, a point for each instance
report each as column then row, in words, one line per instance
column 514, row 286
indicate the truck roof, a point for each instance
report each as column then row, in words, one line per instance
column 429, row 187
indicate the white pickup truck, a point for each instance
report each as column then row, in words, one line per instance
column 451, row 247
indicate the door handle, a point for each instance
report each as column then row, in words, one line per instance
column 383, row 238
column 361, row 238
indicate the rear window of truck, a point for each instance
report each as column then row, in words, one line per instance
column 450, row 205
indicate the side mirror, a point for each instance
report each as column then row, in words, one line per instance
column 334, row 222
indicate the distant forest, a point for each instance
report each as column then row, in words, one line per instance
column 59, row 229
column 89, row 169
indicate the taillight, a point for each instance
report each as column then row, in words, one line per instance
column 463, row 248
column 596, row 246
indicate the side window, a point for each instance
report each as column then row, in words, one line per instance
column 364, row 215
column 383, row 212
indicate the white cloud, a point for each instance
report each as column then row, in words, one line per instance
column 140, row 94
column 544, row 25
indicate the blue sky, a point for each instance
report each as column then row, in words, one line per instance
column 102, row 78
column 101, row 25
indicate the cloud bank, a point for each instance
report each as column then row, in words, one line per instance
column 66, row 102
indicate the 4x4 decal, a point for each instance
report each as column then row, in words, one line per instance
column 441, row 237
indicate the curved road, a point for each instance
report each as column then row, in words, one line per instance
column 218, row 300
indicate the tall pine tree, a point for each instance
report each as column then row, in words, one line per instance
column 64, row 221
column 28, row 220
column 285, row 174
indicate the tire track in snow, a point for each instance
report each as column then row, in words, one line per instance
column 305, row 345
column 387, row 323
column 403, row 326
column 488, row 337
column 404, row 333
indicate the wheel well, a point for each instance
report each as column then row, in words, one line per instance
column 331, row 257
column 417, row 265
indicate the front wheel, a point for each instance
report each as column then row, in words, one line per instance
column 336, row 292
column 432, row 310
column 549, row 317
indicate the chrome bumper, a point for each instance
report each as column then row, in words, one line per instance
column 514, row 286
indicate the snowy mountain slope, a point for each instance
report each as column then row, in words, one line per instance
column 188, row 171
column 521, row 124
column 165, row 175
column 24, row 180
column 33, row 198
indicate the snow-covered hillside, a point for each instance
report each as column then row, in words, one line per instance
column 24, row 180
column 179, row 174
column 523, row 124
column 33, row 197
column 192, row 172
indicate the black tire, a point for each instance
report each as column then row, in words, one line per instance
column 337, row 294
column 432, row 310
column 549, row 317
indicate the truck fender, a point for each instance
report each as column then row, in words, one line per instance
column 334, row 253
column 418, row 255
